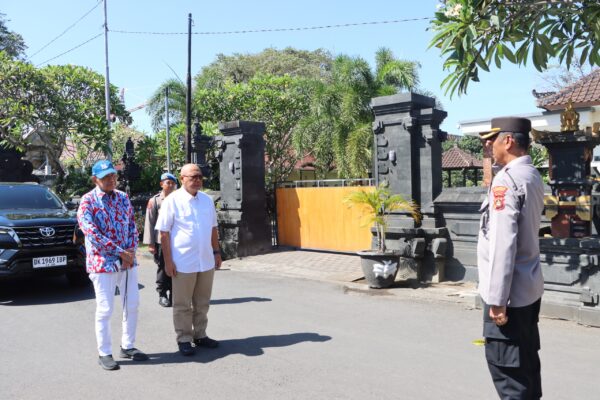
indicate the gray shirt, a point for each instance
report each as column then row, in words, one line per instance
column 151, row 236
column 508, row 251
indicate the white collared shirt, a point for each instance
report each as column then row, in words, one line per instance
column 190, row 220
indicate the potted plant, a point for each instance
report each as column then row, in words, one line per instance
column 380, row 265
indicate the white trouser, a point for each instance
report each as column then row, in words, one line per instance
column 104, row 286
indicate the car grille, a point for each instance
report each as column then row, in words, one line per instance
column 32, row 237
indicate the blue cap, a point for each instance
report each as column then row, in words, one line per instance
column 169, row 176
column 103, row 168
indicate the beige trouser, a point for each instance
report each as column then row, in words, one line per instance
column 191, row 299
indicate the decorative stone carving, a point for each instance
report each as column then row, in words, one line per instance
column 243, row 221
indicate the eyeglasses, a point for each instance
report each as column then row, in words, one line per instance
column 193, row 177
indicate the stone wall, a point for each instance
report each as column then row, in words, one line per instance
column 459, row 209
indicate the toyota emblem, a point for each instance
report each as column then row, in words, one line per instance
column 47, row 231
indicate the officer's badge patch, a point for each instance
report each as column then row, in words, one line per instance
column 499, row 192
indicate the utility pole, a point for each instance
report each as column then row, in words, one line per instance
column 168, row 130
column 188, row 102
column 107, row 84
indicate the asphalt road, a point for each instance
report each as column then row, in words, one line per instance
column 281, row 338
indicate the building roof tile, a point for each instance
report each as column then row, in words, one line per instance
column 456, row 158
column 584, row 93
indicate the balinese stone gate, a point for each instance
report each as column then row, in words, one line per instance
column 571, row 257
column 408, row 158
column 243, row 221
column 13, row 168
column 131, row 169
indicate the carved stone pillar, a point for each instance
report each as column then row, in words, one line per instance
column 408, row 158
column 408, row 152
column 243, row 221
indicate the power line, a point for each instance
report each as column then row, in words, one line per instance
column 305, row 28
column 71, row 49
column 66, row 30
column 238, row 32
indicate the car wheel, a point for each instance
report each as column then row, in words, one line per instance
column 78, row 278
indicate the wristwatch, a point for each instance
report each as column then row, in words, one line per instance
column 216, row 251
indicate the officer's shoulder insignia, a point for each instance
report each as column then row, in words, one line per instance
column 499, row 193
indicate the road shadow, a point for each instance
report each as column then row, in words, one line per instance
column 250, row 347
column 44, row 290
column 239, row 300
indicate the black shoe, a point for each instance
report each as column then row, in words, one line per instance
column 206, row 342
column 134, row 354
column 186, row 349
column 164, row 301
column 108, row 363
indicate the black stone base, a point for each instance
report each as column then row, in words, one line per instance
column 242, row 234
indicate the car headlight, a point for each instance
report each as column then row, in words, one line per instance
column 4, row 230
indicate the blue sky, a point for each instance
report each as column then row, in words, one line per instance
column 138, row 63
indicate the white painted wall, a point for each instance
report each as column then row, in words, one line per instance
column 543, row 121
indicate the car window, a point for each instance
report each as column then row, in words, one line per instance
column 27, row 197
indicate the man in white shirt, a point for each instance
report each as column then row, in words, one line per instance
column 188, row 227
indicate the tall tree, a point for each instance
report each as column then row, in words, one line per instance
column 54, row 104
column 177, row 104
column 239, row 68
column 278, row 101
column 337, row 130
column 473, row 34
column 11, row 42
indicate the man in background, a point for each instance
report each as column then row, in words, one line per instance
column 168, row 183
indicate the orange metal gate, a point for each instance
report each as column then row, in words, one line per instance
column 317, row 218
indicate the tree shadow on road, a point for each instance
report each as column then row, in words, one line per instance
column 238, row 300
column 250, row 347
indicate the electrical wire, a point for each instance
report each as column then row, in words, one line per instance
column 71, row 49
column 306, row 28
column 239, row 31
column 65, row 31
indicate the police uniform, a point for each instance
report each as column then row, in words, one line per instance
column 151, row 237
column 510, row 275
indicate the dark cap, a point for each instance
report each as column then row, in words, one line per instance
column 507, row 124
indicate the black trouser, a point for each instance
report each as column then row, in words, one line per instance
column 163, row 281
column 511, row 352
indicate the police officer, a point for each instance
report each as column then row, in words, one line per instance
column 508, row 259
column 168, row 183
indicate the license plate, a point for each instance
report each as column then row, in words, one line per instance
column 44, row 262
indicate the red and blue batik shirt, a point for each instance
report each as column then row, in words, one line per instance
column 107, row 221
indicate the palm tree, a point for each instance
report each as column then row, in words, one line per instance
column 393, row 75
column 177, row 108
column 377, row 206
column 341, row 103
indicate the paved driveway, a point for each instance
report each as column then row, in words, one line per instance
column 281, row 338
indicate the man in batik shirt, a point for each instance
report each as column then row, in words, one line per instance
column 106, row 218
